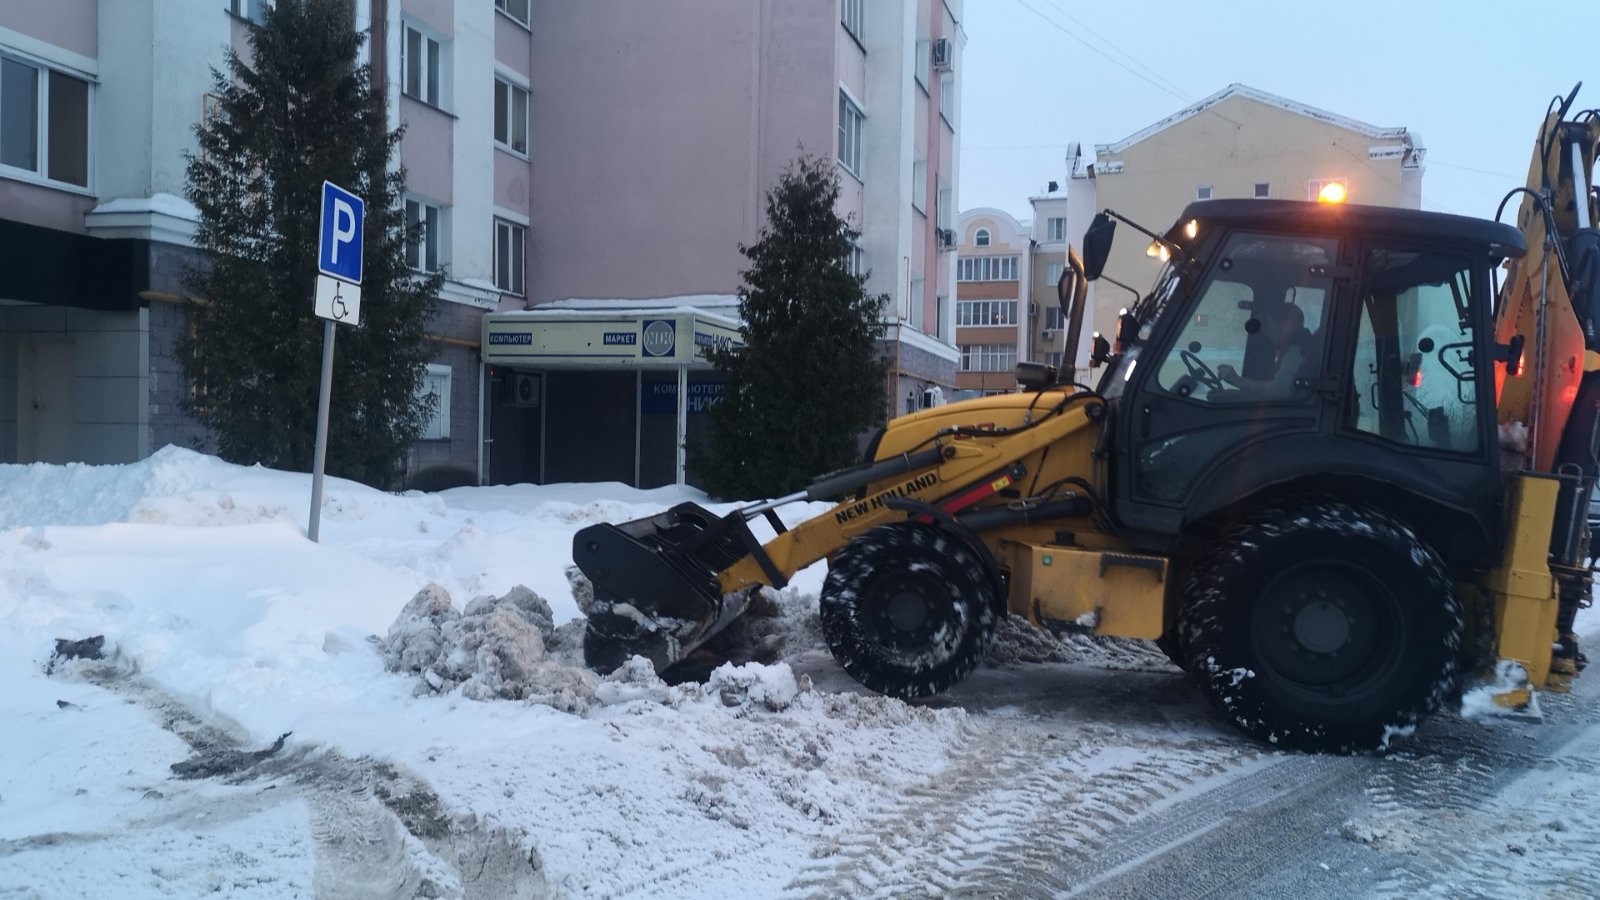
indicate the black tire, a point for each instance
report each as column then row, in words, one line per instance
column 1323, row 626
column 908, row 610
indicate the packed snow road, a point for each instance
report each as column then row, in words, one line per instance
column 1151, row 795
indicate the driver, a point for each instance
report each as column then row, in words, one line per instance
column 1287, row 331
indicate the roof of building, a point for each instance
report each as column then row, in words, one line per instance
column 1250, row 93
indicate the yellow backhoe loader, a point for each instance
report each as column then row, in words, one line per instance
column 1324, row 469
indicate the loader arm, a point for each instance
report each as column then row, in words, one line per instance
column 666, row 584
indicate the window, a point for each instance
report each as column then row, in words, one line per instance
column 1415, row 371
column 44, row 122
column 435, row 388
column 510, row 116
column 1053, row 359
column 986, row 312
column 1256, row 333
column 1055, row 228
column 1314, row 186
column 981, row 239
column 986, row 268
column 919, row 184
column 988, row 358
column 1203, row 192
column 947, row 97
column 914, row 302
column 850, row 120
column 421, row 62
column 510, row 242
column 946, row 205
column 853, row 14
column 254, row 10
column 424, row 235
column 1053, row 318
column 1052, row 272
column 924, row 55
column 516, row 9
column 1263, row 189
column 857, row 263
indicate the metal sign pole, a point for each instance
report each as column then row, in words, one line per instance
column 328, row 333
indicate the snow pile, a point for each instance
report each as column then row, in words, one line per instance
column 497, row 648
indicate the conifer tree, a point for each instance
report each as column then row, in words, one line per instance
column 809, row 379
column 302, row 111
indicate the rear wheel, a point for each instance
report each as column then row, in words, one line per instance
column 1323, row 626
column 908, row 610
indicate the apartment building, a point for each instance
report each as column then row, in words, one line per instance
column 655, row 139
column 98, row 103
column 569, row 163
column 1238, row 142
column 1046, row 325
column 994, row 301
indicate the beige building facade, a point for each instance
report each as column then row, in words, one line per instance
column 1238, row 142
column 992, row 311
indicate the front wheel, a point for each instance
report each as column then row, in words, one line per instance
column 908, row 610
column 1323, row 626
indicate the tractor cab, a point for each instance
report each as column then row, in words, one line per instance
column 1291, row 346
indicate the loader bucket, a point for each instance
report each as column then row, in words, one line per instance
column 655, row 584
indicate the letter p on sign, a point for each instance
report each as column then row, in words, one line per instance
column 339, row 237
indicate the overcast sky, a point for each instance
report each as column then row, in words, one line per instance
column 1471, row 77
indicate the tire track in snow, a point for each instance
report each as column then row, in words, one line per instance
column 378, row 831
column 1008, row 812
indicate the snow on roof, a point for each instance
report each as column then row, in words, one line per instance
column 165, row 204
column 1250, row 93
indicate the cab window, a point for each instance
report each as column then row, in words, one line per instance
column 1256, row 333
column 1415, row 373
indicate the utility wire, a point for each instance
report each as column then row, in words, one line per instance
column 1173, row 87
column 1114, row 61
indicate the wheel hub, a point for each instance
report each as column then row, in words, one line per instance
column 1321, row 627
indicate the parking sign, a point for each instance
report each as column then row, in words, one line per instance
column 339, row 240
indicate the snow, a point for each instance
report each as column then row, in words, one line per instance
column 419, row 662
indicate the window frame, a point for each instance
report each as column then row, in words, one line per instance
column 987, row 268
column 947, row 98
column 442, row 375
column 981, row 237
column 433, row 71
column 506, row 107
column 1263, row 190
column 431, row 239
column 853, row 16
column 1055, row 228
column 982, row 313
column 44, row 134
column 988, row 358
column 511, row 237
column 526, row 21
column 1202, row 192
column 852, row 121
column 254, row 11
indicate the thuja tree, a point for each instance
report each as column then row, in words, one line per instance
column 301, row 111
column 809, row 378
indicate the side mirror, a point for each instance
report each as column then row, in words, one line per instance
column 1097, row 245
column 1127, row 330
column 1099, row 351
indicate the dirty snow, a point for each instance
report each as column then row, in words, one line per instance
column 417, row 666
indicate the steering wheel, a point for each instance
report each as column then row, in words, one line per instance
column 1199, row 371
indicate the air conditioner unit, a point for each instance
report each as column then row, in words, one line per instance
column 947, row 238
column 941, row 54
column 522, row 390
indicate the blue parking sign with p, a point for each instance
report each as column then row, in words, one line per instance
column 339, row 243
